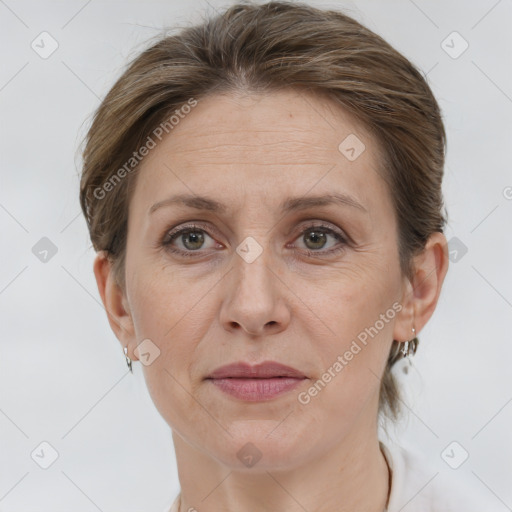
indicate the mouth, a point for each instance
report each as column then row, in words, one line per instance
column 255, row 383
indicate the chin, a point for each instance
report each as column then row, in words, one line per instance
column 264, row 445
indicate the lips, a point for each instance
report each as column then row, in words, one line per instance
column 256, row 383
column 265, row 370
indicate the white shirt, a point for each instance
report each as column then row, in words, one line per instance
column 419, row 487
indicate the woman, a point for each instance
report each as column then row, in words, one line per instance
column 264, row 193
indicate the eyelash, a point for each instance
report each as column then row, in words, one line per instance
column 323, row 228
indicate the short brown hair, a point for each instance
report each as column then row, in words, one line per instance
column 264, row 48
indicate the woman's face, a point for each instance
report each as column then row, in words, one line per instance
column 266, row 274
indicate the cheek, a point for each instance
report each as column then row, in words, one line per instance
column 359, row 308
column 351, row 299
column 175, row 316
column 159, row 301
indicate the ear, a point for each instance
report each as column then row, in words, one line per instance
column 114, row 301
column 420, row 295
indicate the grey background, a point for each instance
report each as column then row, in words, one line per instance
column 63, row 377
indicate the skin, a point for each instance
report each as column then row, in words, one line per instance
column 252, row 152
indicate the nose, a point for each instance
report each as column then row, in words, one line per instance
column 255, row 297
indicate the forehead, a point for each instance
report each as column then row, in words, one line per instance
column 266, row 125
column 261, row 147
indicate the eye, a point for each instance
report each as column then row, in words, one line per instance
column 316, row 240
column 190, row 239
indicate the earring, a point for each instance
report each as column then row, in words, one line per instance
column 128, row 360
column 409, row 349
column 409, row 346
column 404, row 350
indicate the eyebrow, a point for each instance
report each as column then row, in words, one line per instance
column 290, row 205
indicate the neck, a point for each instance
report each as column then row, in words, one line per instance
column 353, row 475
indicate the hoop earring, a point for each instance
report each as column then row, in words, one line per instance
column 404, row 350
column 409, row 347
column 128, row 360
column 408, row 350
